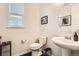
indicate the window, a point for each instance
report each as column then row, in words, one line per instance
column 16, row 12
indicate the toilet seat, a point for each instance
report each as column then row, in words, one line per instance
column 35, row 46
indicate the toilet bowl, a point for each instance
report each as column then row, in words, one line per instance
column 37, row 47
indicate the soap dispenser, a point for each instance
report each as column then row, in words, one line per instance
column 75, row 37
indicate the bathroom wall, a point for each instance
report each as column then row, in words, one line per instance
column 75, row 22
column 73, row 10
column 51, row 29
column 75, row 17
column 70, row 9
column 65, row 30
column 30, row 32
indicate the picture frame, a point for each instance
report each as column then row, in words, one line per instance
column 44, row 20
column 65, row 20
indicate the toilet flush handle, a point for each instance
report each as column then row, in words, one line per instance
column 23, row 41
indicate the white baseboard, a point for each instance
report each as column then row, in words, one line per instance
column 21, row 53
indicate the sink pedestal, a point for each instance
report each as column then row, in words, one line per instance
column 66, row 52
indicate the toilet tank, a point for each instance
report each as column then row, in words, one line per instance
column 42, row 40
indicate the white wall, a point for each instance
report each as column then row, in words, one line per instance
column 51, row 29
column 75, row 17
column 75, row 22
column 65, row 30
column 30, row 32
column 73, row 10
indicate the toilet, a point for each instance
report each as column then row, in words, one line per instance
column 38, row 47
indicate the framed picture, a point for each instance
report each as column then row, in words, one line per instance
column 65, row 20
column 44, row 20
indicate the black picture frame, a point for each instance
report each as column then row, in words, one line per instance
column 66, row 20
column 44, row 20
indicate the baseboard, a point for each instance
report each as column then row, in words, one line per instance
column 21, row 54
column 27, row 54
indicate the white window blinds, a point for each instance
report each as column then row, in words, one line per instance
column 16, row 12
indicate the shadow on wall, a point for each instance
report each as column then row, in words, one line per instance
column 55, row 49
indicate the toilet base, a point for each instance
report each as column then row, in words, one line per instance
column 36, row 53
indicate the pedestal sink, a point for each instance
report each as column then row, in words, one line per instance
column 66, row 44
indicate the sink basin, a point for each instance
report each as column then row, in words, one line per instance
column 66, row 43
